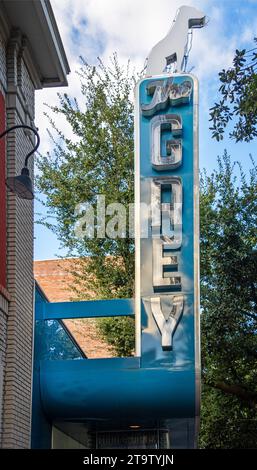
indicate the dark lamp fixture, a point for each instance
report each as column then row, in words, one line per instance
column 22, row 184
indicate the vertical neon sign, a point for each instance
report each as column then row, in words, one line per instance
column 166, row 183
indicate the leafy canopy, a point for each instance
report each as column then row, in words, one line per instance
column 228, row 214
column 98, row 160
column 238, row 103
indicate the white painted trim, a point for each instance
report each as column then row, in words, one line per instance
column 46, row 18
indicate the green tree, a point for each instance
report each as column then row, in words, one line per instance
column 226, row 422
column 238, row 101
column 228, row 213
column 228, row 270
column 120, row 333
column 98, row 160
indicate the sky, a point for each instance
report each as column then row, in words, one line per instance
column 92, row 28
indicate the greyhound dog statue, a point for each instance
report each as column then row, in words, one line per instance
column 173, row 47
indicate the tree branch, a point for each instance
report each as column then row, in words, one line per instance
column 236, row 390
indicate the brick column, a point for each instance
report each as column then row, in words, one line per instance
column 18, row 371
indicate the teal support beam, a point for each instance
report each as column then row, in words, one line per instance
column 85, row 309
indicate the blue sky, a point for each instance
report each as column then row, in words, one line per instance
column 94, row 28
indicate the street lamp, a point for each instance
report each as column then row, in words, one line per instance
column 22, row 184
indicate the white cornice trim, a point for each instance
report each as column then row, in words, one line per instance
column 52, row 51
column 31, row 63
column 46, row 17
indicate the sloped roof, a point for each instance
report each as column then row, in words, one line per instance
column 37, row 23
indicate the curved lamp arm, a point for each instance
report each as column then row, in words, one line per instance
column 22, row 184
column 23, row 126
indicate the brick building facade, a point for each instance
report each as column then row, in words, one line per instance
column 55, row 278
column 31, row 57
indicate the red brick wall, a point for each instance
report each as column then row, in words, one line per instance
column 56, row 280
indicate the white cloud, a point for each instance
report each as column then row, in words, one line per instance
column 100, row 27
column 131, row 27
